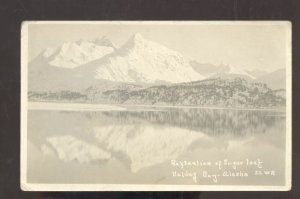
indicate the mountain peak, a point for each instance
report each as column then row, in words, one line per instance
column 135, row 41
column 104, row 41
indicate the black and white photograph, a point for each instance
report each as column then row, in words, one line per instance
column 156, row 105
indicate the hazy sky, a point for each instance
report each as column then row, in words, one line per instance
column 243, row 46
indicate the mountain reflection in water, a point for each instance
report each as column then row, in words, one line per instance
column 145, row 138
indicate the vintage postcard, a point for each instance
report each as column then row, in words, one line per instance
column 155, row 105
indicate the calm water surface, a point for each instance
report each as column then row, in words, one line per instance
column 137, row 146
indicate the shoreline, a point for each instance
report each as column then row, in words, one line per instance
column 72, row 106
column 124, row 107
column 281, row 109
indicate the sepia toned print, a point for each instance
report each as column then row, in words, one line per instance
column 156, row 106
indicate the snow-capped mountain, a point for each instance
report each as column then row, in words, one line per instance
column 75, row 65
column 53, row 69
column 212, row 71
column 73, row 54
column 137, row 61
column 140, row 60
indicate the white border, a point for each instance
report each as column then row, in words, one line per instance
column 138, row 187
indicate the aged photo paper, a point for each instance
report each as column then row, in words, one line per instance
column 156, row 105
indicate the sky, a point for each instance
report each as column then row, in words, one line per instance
column 246, row 46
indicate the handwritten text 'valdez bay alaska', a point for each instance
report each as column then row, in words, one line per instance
column 219, row 169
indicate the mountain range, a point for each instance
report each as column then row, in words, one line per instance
column 98, row 70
